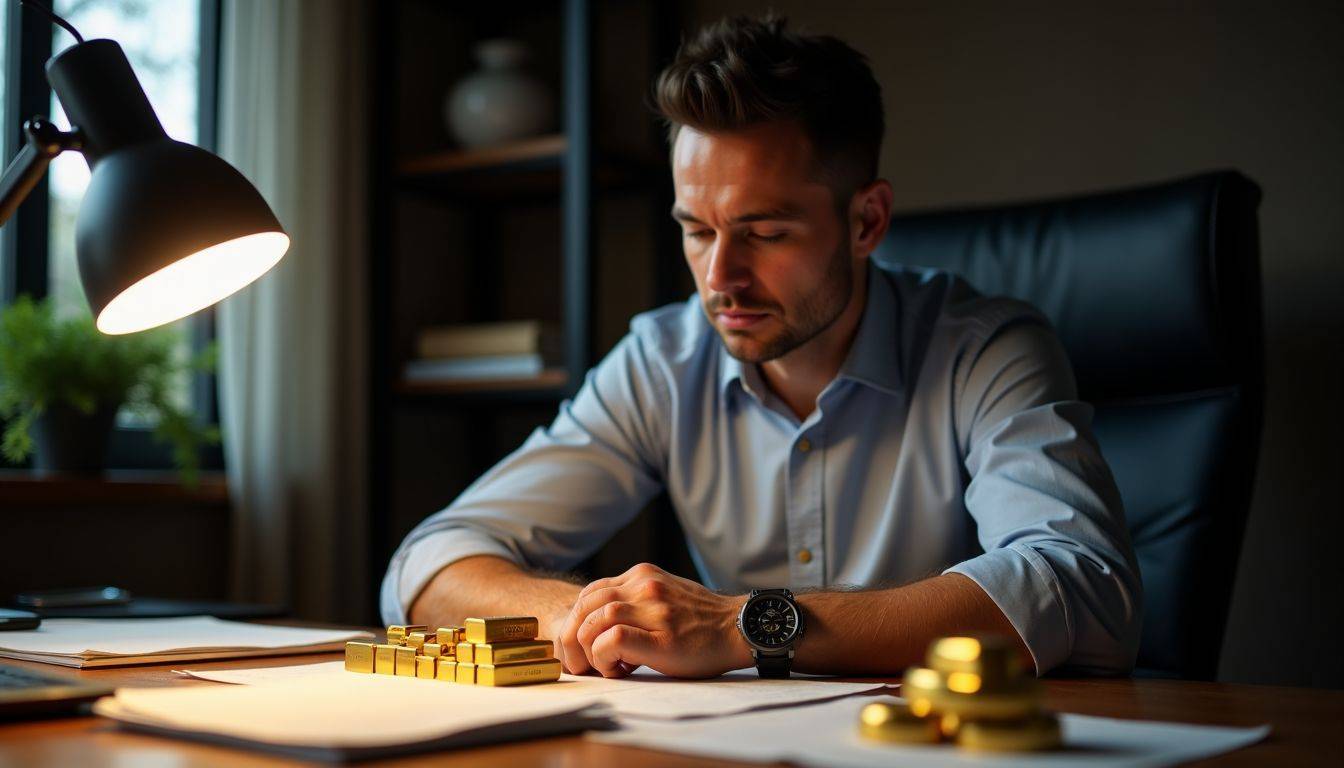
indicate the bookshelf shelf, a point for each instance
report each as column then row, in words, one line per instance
column 528, row 154
column 551, row 381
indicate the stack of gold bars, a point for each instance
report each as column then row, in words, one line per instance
column 973, row 693
column 502, row 650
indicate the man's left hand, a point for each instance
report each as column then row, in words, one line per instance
column 648, row 617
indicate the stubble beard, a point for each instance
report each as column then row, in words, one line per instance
column 817, row 312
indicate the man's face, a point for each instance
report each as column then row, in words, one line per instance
column 770, row 254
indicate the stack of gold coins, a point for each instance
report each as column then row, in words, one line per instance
column 973, row 692
column 497, row 651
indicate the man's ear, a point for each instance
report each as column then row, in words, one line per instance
column 870, row 215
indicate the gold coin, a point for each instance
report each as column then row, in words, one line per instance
column 887, row 721
column 1040, row 731
column 992, row 658
column 949, row 724
column 928, row 691
column 1019, row 699
column 921, row 687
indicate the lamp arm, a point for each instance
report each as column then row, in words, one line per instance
column 44, row 142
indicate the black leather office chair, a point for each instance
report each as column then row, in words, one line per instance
column 1155, row 293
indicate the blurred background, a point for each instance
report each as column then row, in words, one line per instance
column 348, row 387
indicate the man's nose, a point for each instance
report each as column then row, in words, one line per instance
column 726, row 272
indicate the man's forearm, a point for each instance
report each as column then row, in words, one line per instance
column 884, row 631
column 492, row 586
column 652, row 618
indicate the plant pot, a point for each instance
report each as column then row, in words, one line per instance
column 68, row 440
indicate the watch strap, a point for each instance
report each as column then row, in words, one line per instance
column 773, row 667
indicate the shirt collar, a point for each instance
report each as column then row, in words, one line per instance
column 874, row 356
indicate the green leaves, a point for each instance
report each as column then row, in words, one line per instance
column 47, row 360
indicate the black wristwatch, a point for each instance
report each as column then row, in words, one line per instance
column 772, row 625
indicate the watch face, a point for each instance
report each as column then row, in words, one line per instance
column 770, row 621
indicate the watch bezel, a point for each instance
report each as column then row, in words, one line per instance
column 773, row 650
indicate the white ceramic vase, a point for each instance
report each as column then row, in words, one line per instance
column 500, row 102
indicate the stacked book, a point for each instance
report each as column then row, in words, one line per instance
column 513, row 350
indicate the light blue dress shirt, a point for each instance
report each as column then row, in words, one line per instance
column 950, row 441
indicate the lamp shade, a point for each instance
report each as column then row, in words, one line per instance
column 165, row 228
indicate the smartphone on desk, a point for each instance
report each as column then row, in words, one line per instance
column 81, row 597
column 12, row 619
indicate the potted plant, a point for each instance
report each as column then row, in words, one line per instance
column 62, row 383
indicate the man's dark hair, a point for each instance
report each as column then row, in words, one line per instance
column 741, row 72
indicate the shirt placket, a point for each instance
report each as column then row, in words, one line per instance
column 807, row 555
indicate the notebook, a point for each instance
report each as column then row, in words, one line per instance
column 85, row 643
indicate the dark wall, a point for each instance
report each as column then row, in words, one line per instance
column 992, row 101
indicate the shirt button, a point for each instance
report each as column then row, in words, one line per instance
column 804, row 555
column 804, row 445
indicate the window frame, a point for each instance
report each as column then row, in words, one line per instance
column 25, row 252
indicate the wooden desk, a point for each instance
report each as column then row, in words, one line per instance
column 1306, row 724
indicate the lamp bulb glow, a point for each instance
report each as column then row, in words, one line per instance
column 192, row 283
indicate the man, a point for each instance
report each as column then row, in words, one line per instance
column 907, row 455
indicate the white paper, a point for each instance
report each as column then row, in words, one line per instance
column 266, row 675
column 360, row 711
column 101, row 640
column 642, row 695
column 826, row 735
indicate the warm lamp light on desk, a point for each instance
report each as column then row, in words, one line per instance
column 165, row 228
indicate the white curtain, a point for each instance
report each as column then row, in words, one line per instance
column 292, row 345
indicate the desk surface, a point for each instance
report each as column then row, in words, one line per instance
column 1306, row 725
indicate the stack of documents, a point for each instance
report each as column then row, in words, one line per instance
column 87, row 643
column 350, row 717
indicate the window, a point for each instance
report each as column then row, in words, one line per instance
column 171, row 45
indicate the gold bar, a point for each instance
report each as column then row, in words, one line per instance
column 432, row 649
column 424, row 667
column 405, row 661
column 359, row 657
column 384, row 659
column 418, row 639
column 466, row 652
column 396, row 633
column 519, row 650
column 449, row 635
column 498, row 628
column 466, row 672
column 447, row 670
column 518, row 673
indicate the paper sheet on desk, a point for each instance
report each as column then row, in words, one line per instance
column 826, row 735
column 353, row 717
column 642, row 695
column 105, row 642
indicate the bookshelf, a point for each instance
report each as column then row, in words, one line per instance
column 569, row 228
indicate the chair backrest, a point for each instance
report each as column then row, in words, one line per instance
column 1155, row 293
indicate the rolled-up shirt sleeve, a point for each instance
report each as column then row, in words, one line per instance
column 1057, row 557
column 555, row 500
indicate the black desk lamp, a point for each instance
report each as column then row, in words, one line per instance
column 165, row 228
